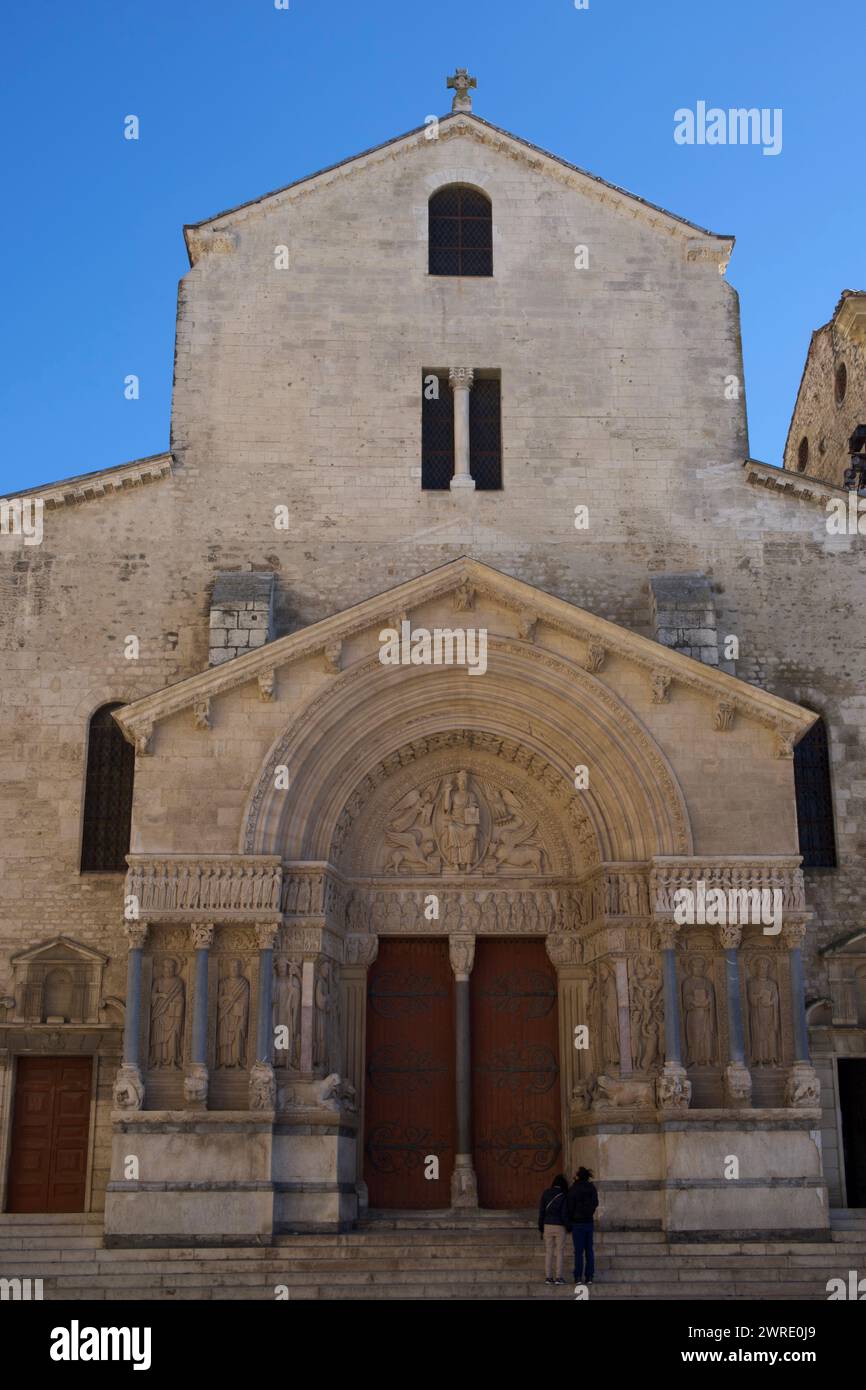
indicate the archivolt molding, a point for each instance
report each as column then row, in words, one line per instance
column 532, row 707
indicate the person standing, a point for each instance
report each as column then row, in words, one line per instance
column 582, row 1202
column 552, row 1224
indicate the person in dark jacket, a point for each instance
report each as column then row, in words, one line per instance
column 553, row 1224
column 582, row 1202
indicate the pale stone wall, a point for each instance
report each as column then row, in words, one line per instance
column 302, row 388
column 826, row 423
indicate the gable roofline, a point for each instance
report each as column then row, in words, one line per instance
column 85, row 487
column 451, row 123
column 789, row 721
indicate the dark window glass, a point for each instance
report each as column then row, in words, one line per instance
column 107, row 795
column 460, row 232
column 815, row 799
column 485, row 434
column 437, row 435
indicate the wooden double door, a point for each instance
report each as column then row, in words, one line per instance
column 411, row 1069
column 50, row 1133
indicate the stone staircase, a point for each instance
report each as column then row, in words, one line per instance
column 490, row 1256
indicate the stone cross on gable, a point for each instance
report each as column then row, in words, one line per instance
column 461, row 83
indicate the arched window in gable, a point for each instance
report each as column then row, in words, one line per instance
column 107, row 795
column 815, row 799
column 460, row 232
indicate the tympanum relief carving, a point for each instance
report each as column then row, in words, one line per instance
column 461, row 824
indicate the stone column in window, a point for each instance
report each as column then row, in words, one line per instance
column 460, row 379
column 128, row 1083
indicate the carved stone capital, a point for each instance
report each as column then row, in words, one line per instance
column 136, row 935
column 564, row 948
column 794, row 934
column 666, row 935
column 361, row 948
column 461, row 950
column 730, row 937
column 723, row 716
column 266, row 935
column 461, row 378
column 737, row 1085
column 128, row 1091
column 201, row 935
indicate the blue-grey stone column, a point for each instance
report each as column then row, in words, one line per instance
column 673, row 1088
column 737, row 1078
column 803, row 1088
column 263, row 1091
column 464, row 1187
column 195, row 1084
column 128, row 1083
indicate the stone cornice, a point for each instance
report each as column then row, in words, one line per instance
column 799, row 485
column 698, row 243
column 88, row 487
column 787, row 720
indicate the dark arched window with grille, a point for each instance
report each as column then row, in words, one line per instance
column 815, row 799
column 107, row 795
column 460, row 232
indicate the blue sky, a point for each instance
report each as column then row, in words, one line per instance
column 236, row 97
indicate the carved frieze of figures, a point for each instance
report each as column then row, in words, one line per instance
column 647, row 1013
column 627, row 895
column 459, row 824
column 783, row 875
column 175, row 886
column 286, row 1013
column 762, row 997
column 167, row 1011
column 326, row 1016
column 233, row 1017
column 699, row 1013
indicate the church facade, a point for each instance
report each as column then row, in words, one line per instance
column 444, row 766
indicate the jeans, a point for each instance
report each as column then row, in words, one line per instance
column 581, row 1234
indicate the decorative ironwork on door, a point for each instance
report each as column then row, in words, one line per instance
column 516, row 1099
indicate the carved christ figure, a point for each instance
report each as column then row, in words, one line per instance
column 167, row 1000
column 233, row 1012
column 699, row 1007
column 763, row 996
column 462, row 814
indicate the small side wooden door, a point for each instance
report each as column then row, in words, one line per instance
column 410, row 1102
column 50, row 1127
column 516, row 1103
